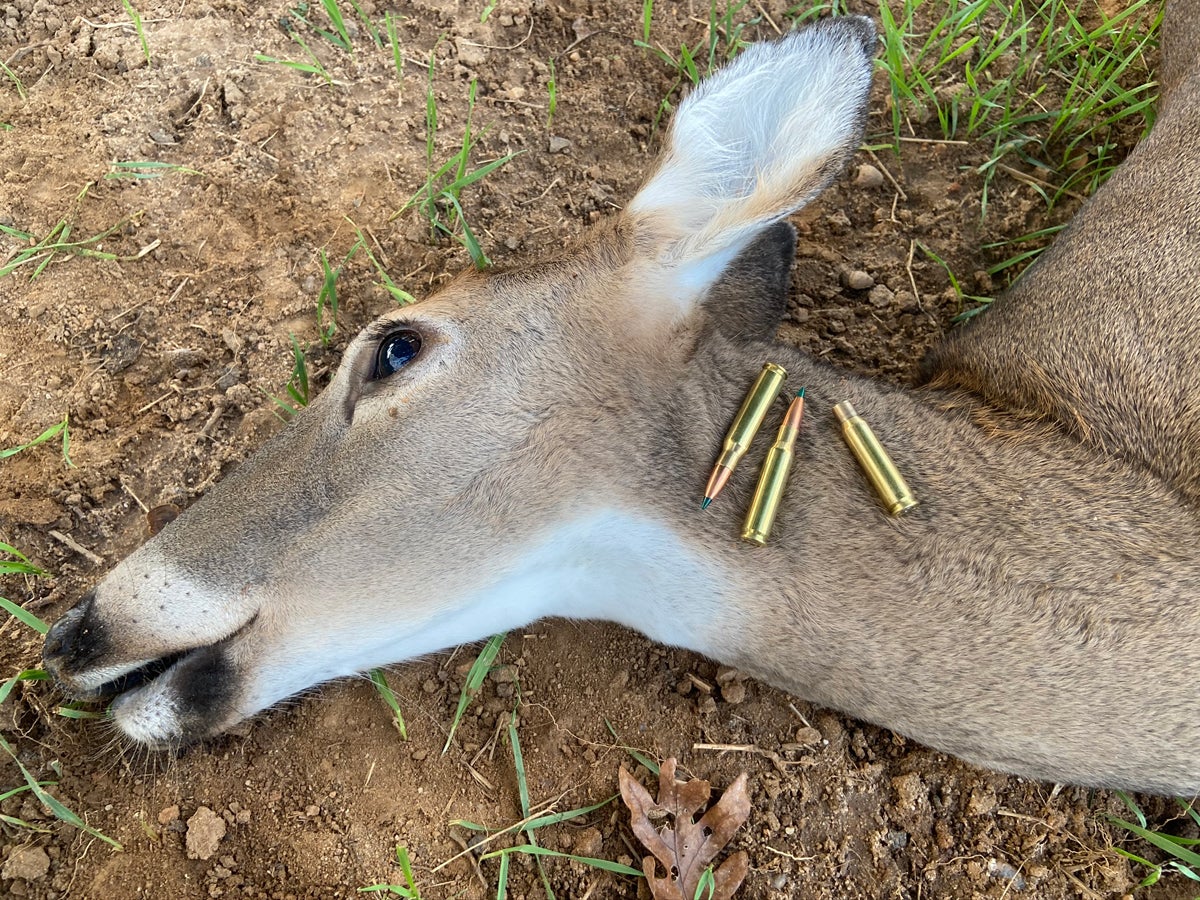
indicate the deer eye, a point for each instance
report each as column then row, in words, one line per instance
column 395, row 351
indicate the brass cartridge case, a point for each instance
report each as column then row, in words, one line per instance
column 745, row 424
column 773, row 478
column 895, row 493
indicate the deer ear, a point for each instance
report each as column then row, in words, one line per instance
column 751, row 144
column 749, row 299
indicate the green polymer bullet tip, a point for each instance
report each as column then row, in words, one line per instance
column 704, row 503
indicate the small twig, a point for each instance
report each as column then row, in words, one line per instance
column 218, row 411
column 912, row 248
column 467, row 848
column 548, row 189
column 917, row 140
column 101, row 25
column 800, row 715
column 154, row 403
column 122, row 315
column 136, row 498
column 766, row 15
column 786, row 855
column 544, row 809
column 583, row 37
column 513, row 47
column 1033, row 179
column 77, row 547
column 22, row 52
column 888, row 175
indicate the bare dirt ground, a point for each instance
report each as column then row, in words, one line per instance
column 163, row 362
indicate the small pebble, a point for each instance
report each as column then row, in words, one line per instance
column 1003, row 870
column 559, row 144
column 29, row 863
column 205, row 829
column 808, row 736
column 881, row 296
column 858, row 280
column 168, row 815
column 868, row 177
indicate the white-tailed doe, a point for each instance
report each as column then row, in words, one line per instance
column 535, row 443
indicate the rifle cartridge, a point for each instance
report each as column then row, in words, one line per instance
column 893, row 490
column 745, row 424
column 773, row 479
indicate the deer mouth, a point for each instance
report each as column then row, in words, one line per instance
column 165, row 701
column 142, row 675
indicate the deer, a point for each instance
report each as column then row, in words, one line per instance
column 534, row 442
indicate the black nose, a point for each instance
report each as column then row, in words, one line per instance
column 75, row 640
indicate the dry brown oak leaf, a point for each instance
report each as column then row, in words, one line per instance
column 686, row 850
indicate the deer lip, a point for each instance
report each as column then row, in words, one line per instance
column 142, row 675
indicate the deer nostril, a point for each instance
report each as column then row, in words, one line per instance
column 73, row 637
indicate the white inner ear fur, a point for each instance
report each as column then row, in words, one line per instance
column 748, row 146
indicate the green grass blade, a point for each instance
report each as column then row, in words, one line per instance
column 12, row 76
column 1163, row 842
column 389, row 698
column 55, row 806
column 502, row 878
column 555, row 818
column 530, row 850
column 339, row 24
column 137, row 26
column 475, row 675
column 27, row 675
column 20, row 566
column 519, row 762
column 640, row 757
column 24, row 615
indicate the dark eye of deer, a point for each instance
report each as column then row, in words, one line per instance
column 396, row 351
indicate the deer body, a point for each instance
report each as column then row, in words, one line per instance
column 544, row 452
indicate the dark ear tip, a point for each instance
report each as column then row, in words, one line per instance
column 856, row 28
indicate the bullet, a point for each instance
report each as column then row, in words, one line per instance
column 896, row 495
column 773, row 478
column 745, row 424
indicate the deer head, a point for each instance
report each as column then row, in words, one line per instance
column 521, row 444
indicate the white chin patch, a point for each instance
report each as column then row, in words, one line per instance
column 149, row 714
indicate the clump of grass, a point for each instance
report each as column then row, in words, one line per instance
column 312, row 67
column 410, row 892
column 62, row 428
column 975, row 72
column 19, row 566
column 439, row 199
column 723, row 41
column 297, row 386
column 136, row 19
column 1184, row 861
column 532, row 848
column 372, row 31
column 528, row 825
column 12, row 76
column 552, row 90
column 389, row 697
column 22, row 566
column 475, row 675
column 328, row 298
column 400, row 295
column 57, row 242
column 389, row 25
column 142, row 170
column 963, row 297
